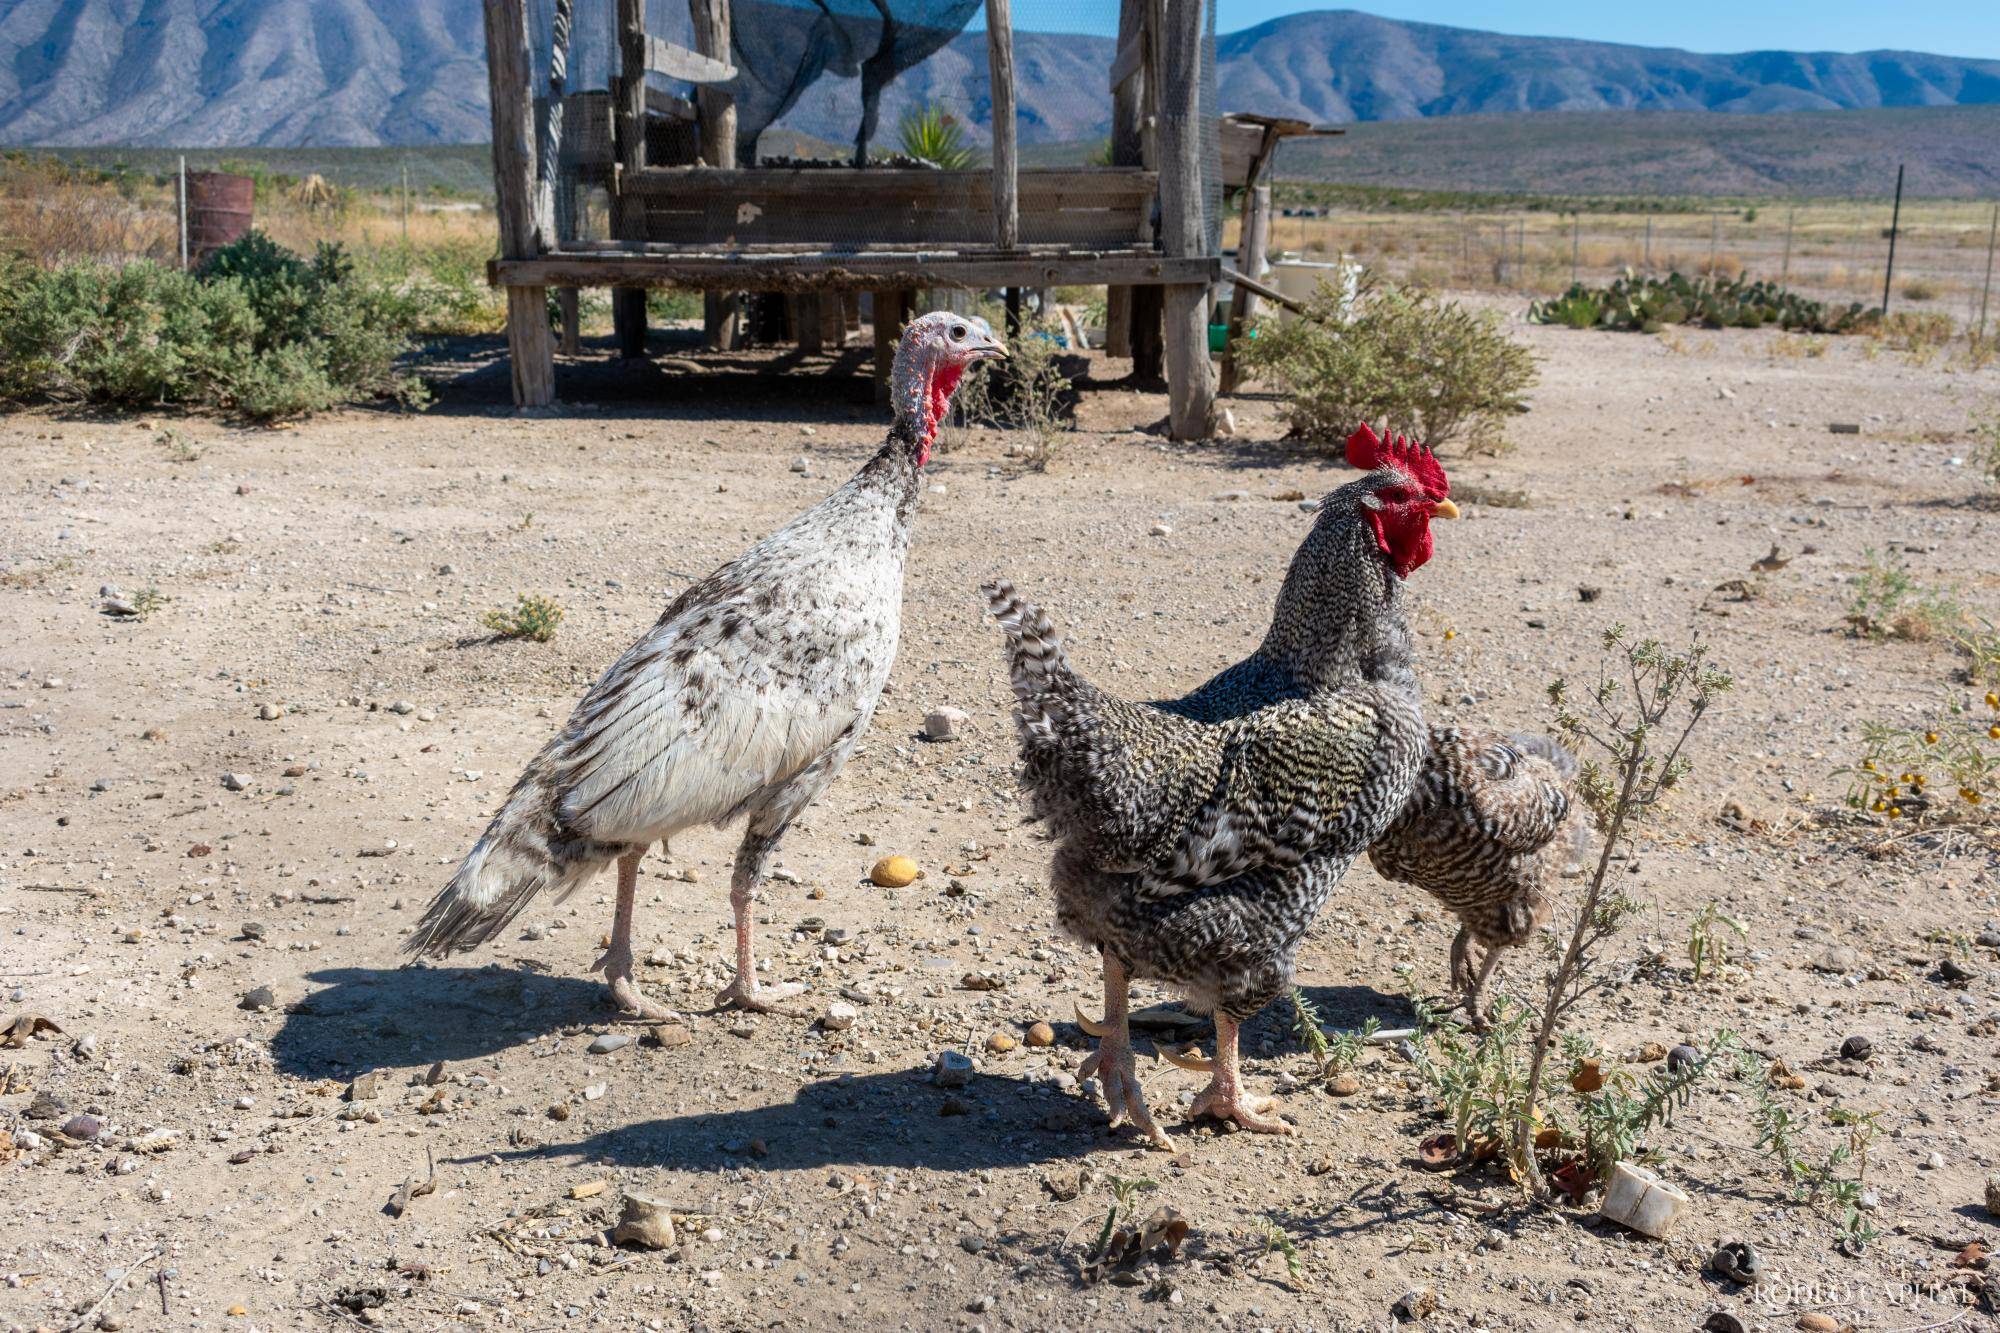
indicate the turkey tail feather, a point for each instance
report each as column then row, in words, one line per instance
column 524, row 852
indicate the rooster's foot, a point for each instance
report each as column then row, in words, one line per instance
column 1111, row 1063
column 1224, row 1100
column 746, row 994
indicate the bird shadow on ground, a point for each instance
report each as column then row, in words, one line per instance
column 883, row 1121
column 361, row 1018
column 1346, row 1008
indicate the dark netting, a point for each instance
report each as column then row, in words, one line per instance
column 830, row 81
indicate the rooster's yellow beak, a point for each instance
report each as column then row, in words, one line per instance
column 1446, row 509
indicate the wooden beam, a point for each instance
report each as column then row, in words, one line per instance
column 1244, row 282
column 1250, row 246
column 721, row 312
column 1000, row 72
column 662, row 103
column 893, row 308
column 1126, row 63
column 1127, row 150
column 674, row 61
column 1190, row 373
column 782, row 273
column 628, row 217
column 530, row 345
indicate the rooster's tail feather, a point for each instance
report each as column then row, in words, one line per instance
column 1035, row 660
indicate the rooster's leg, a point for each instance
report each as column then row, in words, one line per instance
column 1224, row 1098
column 1478, row 1017
column 616, row 964
column 743, row 992
column 1112, row 1062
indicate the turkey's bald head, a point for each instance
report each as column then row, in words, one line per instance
column 930, row 360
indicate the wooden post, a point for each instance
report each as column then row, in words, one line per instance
column 1000, row 72
column 722, row 312
column 1127, row 150
column 1256, row 237
column 1190, row 373
column 832, row 320
column 628, row 214
column 807, row 331
column 1986, row 291
column 892, row 311
column 1149, row 353
column 568, row 302
column 530, row 347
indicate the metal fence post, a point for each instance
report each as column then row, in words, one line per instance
column 1986, row 293
column 181, row 202
column 1895, row 222
column 1785, row 271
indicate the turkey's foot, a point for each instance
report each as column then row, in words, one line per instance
column 1224, row 1099
column 1112, row 1065
column 626, row 998
column 745, row 993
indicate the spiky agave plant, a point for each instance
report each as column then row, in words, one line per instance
column 932, row 134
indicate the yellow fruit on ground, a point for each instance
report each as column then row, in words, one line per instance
column 893, row 872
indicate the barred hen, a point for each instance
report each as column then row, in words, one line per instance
column 1491, row 823
column 1198, row 838
column 743, row 701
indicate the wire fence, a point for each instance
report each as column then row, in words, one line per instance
column 1833, row 251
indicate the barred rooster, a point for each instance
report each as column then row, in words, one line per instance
column 1198, row 838
column 743, row 701
column 1492, row 822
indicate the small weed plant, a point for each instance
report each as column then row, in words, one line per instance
column 533, row 617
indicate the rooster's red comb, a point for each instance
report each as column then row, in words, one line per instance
column 1366, row 451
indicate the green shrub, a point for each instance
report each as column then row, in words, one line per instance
column 534, row 618
column 1405, row 360
column 258, row 331
column 932, row 134
column 1648, row 304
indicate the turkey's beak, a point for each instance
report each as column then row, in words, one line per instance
column 991, row 350
column 1445, row 509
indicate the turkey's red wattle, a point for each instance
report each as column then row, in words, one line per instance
column 942, row 384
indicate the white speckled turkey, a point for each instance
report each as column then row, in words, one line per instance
column 743, row 701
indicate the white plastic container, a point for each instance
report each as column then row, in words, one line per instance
column 1300, row 278
column 1642, row 1201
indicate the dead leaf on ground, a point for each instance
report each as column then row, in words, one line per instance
column 24, row 1027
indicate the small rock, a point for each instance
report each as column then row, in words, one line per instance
column 894, row 872
column 1814, row 1322
column 1162, row 530
column 1000, row 1043
column 1952, row 971
column 1738, row 1262
column 952, row 1069
column 119, row 607
column 1041, row 1034
column 1856, row 1047
column 607, row 1042
column 644, row 1221
column 1993, row 1196
column 945, row 724
column 237, row 781
column 1229, row 497
column 839, row 1016
column 801, row 466
column 1842, row 428
column 1651, row 1052
column 258, row 999
column 1839, row 960
column 402, row 708
column 1412, row 1306
column 270, row 712
column 668, row 1035
column 1682, row 1057
column 83, row 1127
column 1343, row 1084
column 252, row 930
column 364, row 1088
column 1932, row 1162
column 955, row 1106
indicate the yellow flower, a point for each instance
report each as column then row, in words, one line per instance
column 1895, row 812
column 1992, row 699
column 1994, row 731
column 1969, row 795
column 1879, row 806
column 1451, row 634
column 1930, row 738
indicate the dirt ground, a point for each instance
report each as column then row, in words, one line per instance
column 320, row 639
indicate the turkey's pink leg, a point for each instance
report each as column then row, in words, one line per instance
column 616, row 964
column 743, row 991
column 1112, row 1061
column 1223, row 1098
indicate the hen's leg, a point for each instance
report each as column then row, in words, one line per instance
column 1224, row 1099
column 744, row 992
column 1461, row 966
column 616, row 964
column 1112, row 1062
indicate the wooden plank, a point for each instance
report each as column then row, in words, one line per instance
column 722, row 312
column 893, row 308
column 660, row 103
column 1006, row 166
column 530, row 346
column 1243, row 282
column 1256, row 236
column 1127, row 150
column 802, row 272
column 1131, row 54
column 674, row 61
column 628, row 95
column 1190, row 373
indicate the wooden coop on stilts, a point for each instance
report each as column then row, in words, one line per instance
column 626, row 154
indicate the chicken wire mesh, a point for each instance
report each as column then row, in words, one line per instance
column 833, row 82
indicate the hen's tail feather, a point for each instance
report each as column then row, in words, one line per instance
column 1555, row 753
column 524, row 852
column 1575, row 837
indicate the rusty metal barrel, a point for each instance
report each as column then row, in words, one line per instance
column 219, row 208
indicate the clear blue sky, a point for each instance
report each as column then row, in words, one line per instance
column 1946, row 27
